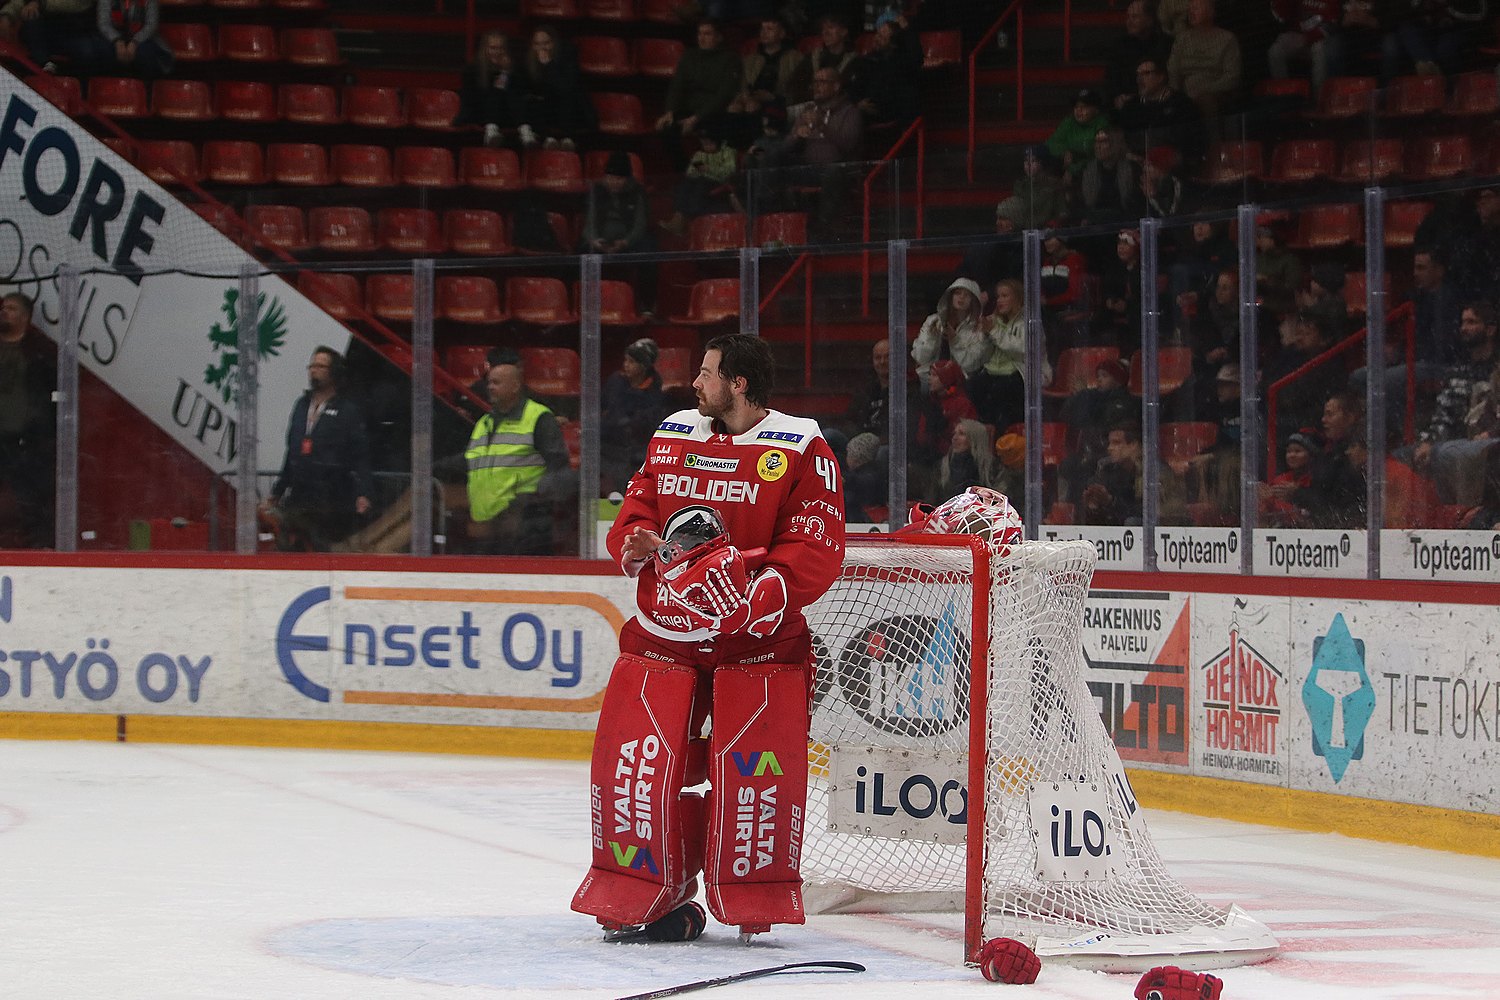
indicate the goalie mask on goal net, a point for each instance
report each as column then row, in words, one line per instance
column 976, row 511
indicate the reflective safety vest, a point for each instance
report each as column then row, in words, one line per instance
column 503, row 461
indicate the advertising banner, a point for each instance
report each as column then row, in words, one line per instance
column 1241, row 687
column 1304, row 552
column 1468, row 556
column 1136, row 645
column 165, row 342
column 1198, row 550
column 1119, row 548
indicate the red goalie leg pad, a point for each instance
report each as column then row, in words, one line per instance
column 641, row 863
column 759, row 773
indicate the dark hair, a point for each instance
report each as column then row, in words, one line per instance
column 1130, row 428
column 1483, row 311
column 21, row 297
column 503, row 356
column 749, row 358
column 335, row 363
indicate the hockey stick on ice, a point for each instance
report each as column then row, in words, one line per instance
column 740, row 977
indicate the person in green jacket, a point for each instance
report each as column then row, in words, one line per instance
column 1072, row 141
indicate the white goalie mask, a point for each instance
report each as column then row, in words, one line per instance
column 977, row 511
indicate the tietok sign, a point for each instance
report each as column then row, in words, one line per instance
column 167, row 342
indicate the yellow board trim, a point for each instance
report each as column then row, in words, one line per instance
column 1321, row 812
column 1245, row 802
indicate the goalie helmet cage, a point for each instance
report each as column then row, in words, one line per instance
column 1006, row 798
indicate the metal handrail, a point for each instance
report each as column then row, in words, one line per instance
column 1018, row 10
column 803, row 261
column 917, row 128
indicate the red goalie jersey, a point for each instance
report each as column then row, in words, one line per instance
column 777, row 487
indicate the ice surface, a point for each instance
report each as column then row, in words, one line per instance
column 162, row 872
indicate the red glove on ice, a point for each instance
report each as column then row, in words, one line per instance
column 1006, row 960
column 1167, row 982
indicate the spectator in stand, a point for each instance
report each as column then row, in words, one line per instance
column 556, row 106
column 1450, row 448
column 970, row 460
column 828, row 134
column 615, row 221
column 1196, row 269
column 999, row 387
column 834, row 51
column 1284, row 500
column 1363, row 29
column 1159, row 115
column 1173, row 15
column 1064, row 274
column 28, row 424
column 1143, row 41
column 325, row 480
column 1213, row 328
column 1433, row 36
column 955, row 330
column 707, row 78
column 1072, row 141
column 988, row 262
column 1205, row 61
column 866, row 489
column 1475, row 243
column 632, row 405
column 1310, row 33
column 889, row 76
column 1118, row 321
column 1009, row 473
column 1109, row 187
column 870, row 406
column 1410, row 499
column 1090, row 413
column 1114, row 494
column 489, row 91
column 1337, row 496
column 1324, row 297
column 53, row 28
column 775, row 75
column 938, row 412
column 1436, row 302
column 1160, row 187
column 127, row 39
column 1278, row 272
column 1042, row 193
column 1303, row 338
column 707, row 185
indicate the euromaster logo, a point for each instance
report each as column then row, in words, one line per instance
column 709, row 463
column 757, row 764
column 1338, row 697
column 225, row 338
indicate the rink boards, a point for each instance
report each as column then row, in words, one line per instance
column 1372, row 708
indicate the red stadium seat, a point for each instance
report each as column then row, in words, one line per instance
column 310, row 47
column 467, row 362
column 374, row 107
column 123, row 148
column 788, row 229
column 248, row 43
column 1475, row 95
column 1300, row 161
column 1346, row 97
column 491, row 169
column 620, row 114
column 712, row 300
column 658, row 57
column 617, row 304
column 425, row 166
column 300, row 5
column 1364, row 162
column 609, row 10
column 301, row 163
column 1355, row 286
column 542, row 301
column 722, row 231
column 1232, row 163
column 1078, row 367
column 233, row 161
column 1184, row 440
column 675, row 365
column 221, row 217
column 1402, row 218
column 864, row 44
column 563, row 234
column 362, row 166
column 169, row 162
column 391, row 297
column 189, row 42
column 468, row 299
column 432, row 107
column 410, row 231
column 1174, row 366
column 941, row 48
column 1415, row 96
column 600, row 55
column 551, row 371
column 1290, row 88
column 118, row 97
column 565, row 10
column 238, row 4
column 339, row 295
column 279, row 227
column 182, row 100
column 1323, row 226
column 309, row 103
column 64, row 92
column 341, row 229
column 1438, row 158
column 662, row 12
column 595, row 162
column 554, row 170
column 476, row 231
column 245, row 101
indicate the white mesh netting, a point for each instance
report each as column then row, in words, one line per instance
column 1066, row 853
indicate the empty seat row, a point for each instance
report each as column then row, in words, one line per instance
column 1358, row 161
column 252, row 43
column 297, row 5
column 1474, row 94
column 477, row 299
column 233, row 161
column 260, row 102
column 350, row 229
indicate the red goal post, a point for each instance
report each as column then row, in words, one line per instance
column 1026, row 822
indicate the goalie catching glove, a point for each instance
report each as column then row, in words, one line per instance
column 707, row 577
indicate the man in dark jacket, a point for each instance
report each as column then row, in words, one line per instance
column 28, row 377
column 325, row 478
column 707, row 78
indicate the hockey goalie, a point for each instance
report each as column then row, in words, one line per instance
column 734, row 523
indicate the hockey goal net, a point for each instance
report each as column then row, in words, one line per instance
column 958, row 760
